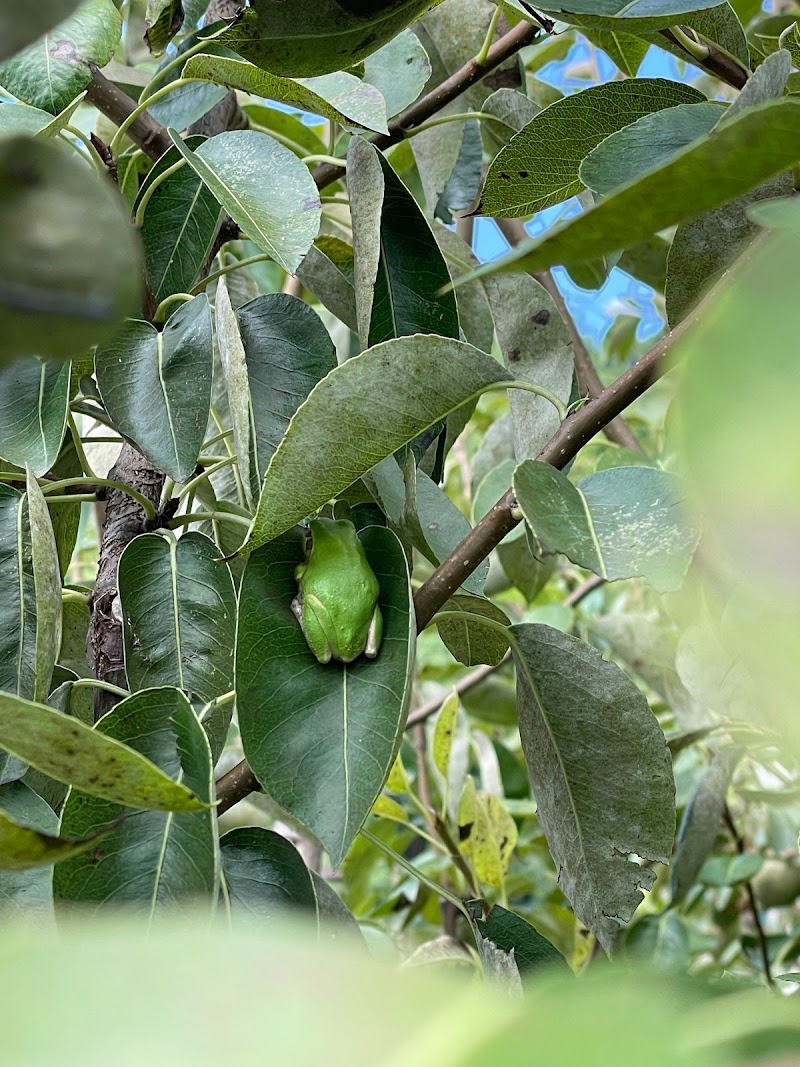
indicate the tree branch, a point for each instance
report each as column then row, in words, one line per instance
column 116, row 105
column 717, row 62
column 751, row 899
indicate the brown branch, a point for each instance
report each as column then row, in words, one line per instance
column 751, row 899
column 116, row 105
column 589, row 382
column 717, row 62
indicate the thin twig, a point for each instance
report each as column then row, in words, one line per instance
column 751, row 898
column 463, row 685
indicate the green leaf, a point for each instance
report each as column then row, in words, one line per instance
column 623, row 49
column 471, row 642
column 296, row 40
column 179, row 615
column 27, row 894
column 19, row 26
column 704, row 248
column 264, row 188
column 474, row 313
column 400, row 71
column 790, row 40
column 515, row 109
column 464, row 182
column 366, row 188
column 321, row 739
column 66, row 282
column 630, row 15
column 339, row 97
column 163, row 19
column 267, row 881
column 537, row 348
column 34, row 396
column 179, row 226
column 18, row 610
column 702, row 821
column 22, row 848
column 47, row 588
column 327, row 272
column 646, row 144
column 383, row 391
column 21, row 118
column 511, row 932
column 411, row 269
column 288, row 351
column 540, row 165
column 730, row 869
column 719, row 24
column 487, row 834
column 186, row 104
column 602, row 778
column 55, row 68
column 157, row 386
column 660, row 940
column 72, row 753
column 621, row 522
column 443, row 732
column 152, row 859
column 767, row 82
column 726, row 163
column 237, row 386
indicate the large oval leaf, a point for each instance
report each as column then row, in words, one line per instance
column 54, row 69
column 363, row 411
column 34, row 397
column 339, row 97
column 157, row 386
column 18, row 603
column 288, row 351
column 539, row 166
column 66, row 281
column 631, row 16
column 264, row 188
column 618, row 523
column 601, row 773
column 733, row 158
column 19, row 26
column 179, row 226
column 321, row 739
column 47, row 587
column 178, row 615
column 400, row 70
column 72, row 753
column 152, row 858
column 298, row 40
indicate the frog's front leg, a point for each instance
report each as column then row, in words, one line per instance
column 374, row 634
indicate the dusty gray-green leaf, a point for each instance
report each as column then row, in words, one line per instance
column 19, row 26
column 365, row 184
column 47, row 587
column 702, row 821
column 703, row 248
column 537, row 348
column 382, row 391
column 264, row 188
column 34, row 396
column 179, row 615
column 601, row 773
column 328, row 272
column 157, row 386
column 464, row 183
column 620, row 522
column 468, row 640
column 288, row 351
column 67, row 281
column 162, row 19
column 509, row 931
column 630, row 15
column 321, row 739
column 298, row 40
column 399, row 70
column 539, row 167
column 474, row 313
column 70, row 752
column 727, row 163
column 339, row 97
column 514, row 108
column 237, row 386
column 152, row 859
column 767, row 82
column 52, row 71
column 647, row 144
column 21, row 118
column 623, row 49
column 18, row 604
column 180, row 223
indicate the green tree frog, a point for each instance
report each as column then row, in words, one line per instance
column 337, row 598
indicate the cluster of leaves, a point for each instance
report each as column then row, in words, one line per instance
column 594, row 780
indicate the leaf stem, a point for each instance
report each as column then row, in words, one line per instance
column 208, row 516
column 184, row 298
column 333, row 160
column 95, row 683
column 530, row 387
column 86, row 467
column 262, row 257
column 151, row 188
column 481, row 57
column 463, row 116
column 147, row 507
column 142, row 106
column 192, row 485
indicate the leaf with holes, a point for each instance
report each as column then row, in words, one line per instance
column 601, row 773
column 321, row 738
column 157, row 386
